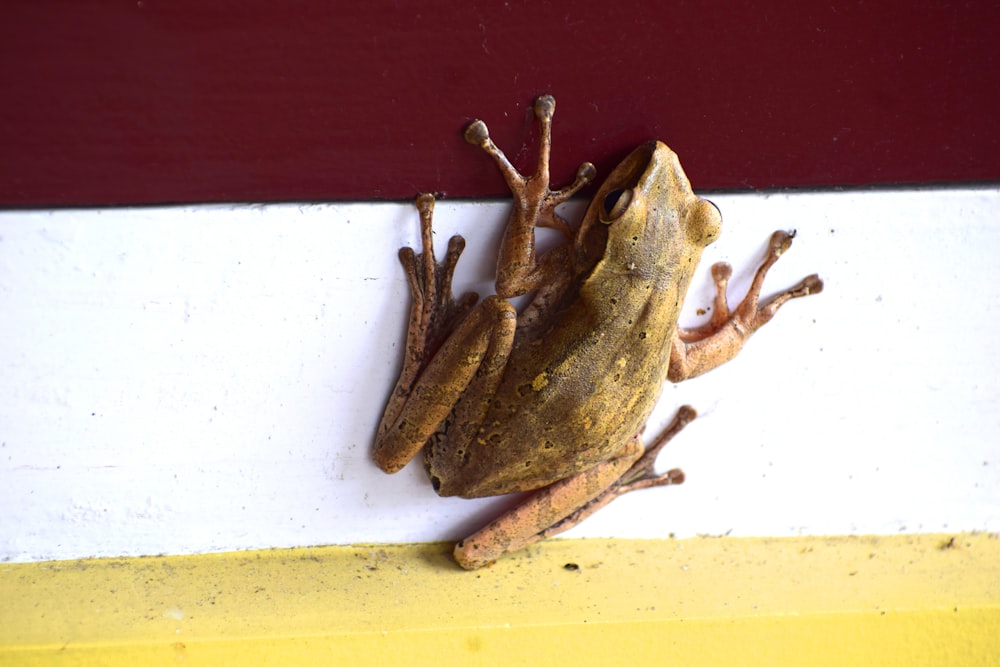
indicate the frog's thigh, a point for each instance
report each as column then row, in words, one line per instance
column 529, row 521
column 482, row 338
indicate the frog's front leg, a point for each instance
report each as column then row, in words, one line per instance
column 560, row 506
column 696, row 351
column 519, row 271
column 444, row 347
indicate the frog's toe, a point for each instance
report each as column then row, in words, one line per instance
column 721, row 273
column 425, row 202
column 781, row 241
column 545, row 107
column 407, row 257
column 809, row 285
column 476, row 133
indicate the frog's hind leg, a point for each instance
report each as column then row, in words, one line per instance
column 562, row 505
column 434, row 314
column 476, row 351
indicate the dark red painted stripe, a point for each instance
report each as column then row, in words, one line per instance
column 112, row 102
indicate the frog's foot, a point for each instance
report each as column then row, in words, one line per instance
column 642, row 474
column 435, row 314
column 434, row 311
column 752, row 314
column 562, row 505
column 532, row 193
column 698, row 350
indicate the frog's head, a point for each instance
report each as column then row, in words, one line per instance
column 654, row 223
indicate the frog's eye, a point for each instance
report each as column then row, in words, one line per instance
column 615, row 203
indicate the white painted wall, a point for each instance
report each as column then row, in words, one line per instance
column 177, row 380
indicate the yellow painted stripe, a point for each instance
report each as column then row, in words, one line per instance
column 884, row 600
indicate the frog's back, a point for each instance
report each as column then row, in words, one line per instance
column 570, row 397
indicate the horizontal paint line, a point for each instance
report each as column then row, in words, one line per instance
column 701, row 600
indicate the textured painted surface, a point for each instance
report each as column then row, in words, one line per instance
column 890, row 600
column 155, row 363
column 235, row 100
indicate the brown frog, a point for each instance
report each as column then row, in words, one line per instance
column 555, row 398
